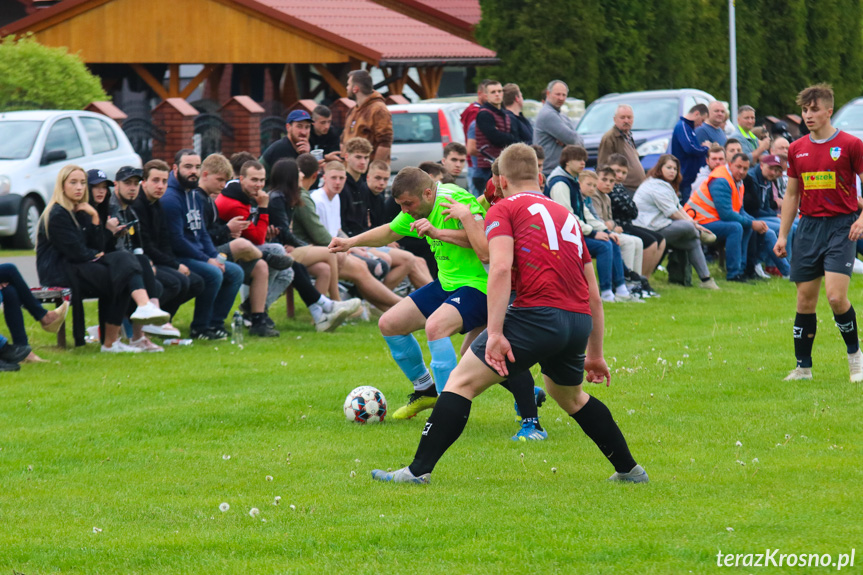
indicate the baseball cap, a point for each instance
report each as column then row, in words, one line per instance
column 771, row 160
column 127, row 172
column 298, row 116
column 96, row 177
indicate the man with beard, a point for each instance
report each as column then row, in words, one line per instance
column 179, row 283
column 370, row 119
column 183, row 207
column 295, row 142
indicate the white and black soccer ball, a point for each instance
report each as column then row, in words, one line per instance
column 366, row 404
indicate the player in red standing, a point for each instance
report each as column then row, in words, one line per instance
column 556, row 316
column 822, row 171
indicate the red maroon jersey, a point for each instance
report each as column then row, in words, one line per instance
column 489, row 193
column 549, row 253
column 826, row 174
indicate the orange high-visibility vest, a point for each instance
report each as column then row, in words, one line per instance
column 700, row 205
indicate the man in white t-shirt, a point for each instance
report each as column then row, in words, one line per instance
column 327, row 203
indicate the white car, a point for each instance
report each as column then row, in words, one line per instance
column 421, row 131
column 35, row 145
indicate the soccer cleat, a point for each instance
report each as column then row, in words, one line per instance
column 120, row 347
column 799, row 373
column 165, row 330
column 14, row 353
column 402, row 475
column 416, row 402
column 855, row 364
column 149, row 313
column 635, row 475
column 529, row 432
column 538, row 394
column 144, row 344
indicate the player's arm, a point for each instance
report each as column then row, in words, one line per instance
column 376, row 237
column 596, row 370
column 856, row 232
column 499, row 284
column 789, row 211
column 472, row 226
column 423, row 228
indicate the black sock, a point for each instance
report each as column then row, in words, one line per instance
column 443, row 427
column 258, row 318
column 805, row 325
column 847, row 324
column 598, row 424
column 521, row 386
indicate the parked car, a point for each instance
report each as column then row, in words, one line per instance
column 850, row 118
column 34, row 146
column 422, row 130
column 656, row 113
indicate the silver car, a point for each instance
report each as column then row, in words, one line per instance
column 35, row 145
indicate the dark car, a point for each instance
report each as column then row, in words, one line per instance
column 656, row 113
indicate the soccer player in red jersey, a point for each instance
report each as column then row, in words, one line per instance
column 822, row 171
column 556, row 317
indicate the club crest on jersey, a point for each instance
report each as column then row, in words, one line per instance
column 835, row 153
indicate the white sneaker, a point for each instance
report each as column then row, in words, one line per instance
column 759, row 271
column 855, row 364
column 709, row 283
column 330, row 321
column 144, row 344
column 353, row 305
column 120, row 347
column 628, row 298
column 608, row 297
column 799, row 373
column 149, row 313
column 166, row 330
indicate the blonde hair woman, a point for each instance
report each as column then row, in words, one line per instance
column 64, row 259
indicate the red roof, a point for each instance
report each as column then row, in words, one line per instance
column 394, row 36
column 465, row 10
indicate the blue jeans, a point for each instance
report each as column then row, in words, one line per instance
column 609, row 264
column 14, row 296
column 736, row 238
column 767, row 240
column 220, row 290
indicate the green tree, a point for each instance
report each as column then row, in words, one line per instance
column 36, row 76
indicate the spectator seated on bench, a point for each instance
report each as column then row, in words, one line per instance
column 15, row 294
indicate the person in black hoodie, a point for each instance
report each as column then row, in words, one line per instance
column 64, row 259
column 178, row 282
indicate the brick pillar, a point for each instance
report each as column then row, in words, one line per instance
column 244, row 116
column 176, row 118
column 107, row 109
column 341, row 108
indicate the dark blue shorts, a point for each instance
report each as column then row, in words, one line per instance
column 470, row 302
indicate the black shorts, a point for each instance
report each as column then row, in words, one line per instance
column 822, row 245
column 553, row 338
column 648, row 237
column 471, row 303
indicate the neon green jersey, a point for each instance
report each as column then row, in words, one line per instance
column 457, row 266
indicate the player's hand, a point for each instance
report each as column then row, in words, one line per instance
column 338, row 244
column 596, row 371
column 455, row 210
column 272, row 231
column 423, row 228
column 601, row 236
column 497, row 351
column 856, row 230
column 779, row 247
column 759, row 226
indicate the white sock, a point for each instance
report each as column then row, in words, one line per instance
column 317, row 312
column 325, row 303
column 423, row 382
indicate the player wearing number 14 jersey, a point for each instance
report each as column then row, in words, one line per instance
column 555, row 318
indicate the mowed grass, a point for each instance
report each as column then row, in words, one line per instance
column 136, row 446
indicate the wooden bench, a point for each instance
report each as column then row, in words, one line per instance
column 55, row 295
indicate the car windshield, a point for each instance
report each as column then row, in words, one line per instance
column 656, row 114
column 851, row 118
column 17, row 138
column 415, row 128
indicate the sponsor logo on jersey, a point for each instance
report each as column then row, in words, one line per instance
column 491, row 226
column 819, row 180
column 803, row 155
column 835, row 153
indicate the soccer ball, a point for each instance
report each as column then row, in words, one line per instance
column 365, row 404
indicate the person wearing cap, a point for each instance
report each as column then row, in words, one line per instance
column 761, row 192
column 370, row 119
column 295, row 142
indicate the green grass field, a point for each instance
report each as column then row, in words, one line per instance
column 138, row 448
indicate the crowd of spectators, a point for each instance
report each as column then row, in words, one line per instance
column 206, row 230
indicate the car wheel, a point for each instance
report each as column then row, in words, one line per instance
column 28, row 222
